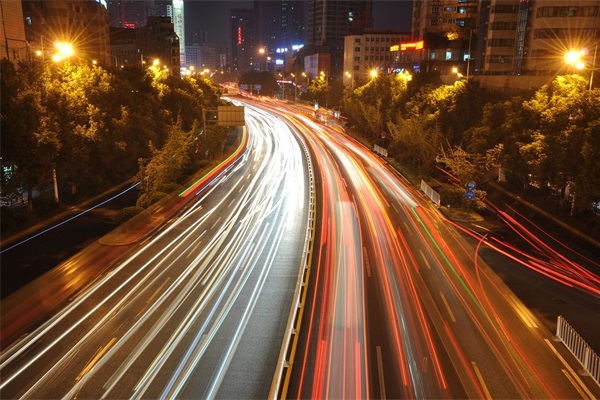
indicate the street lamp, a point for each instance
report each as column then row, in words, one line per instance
column 349, row 76
column 373, row 73
column 575, row 59
column 64, row 50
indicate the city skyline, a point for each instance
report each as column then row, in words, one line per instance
column 212, row 16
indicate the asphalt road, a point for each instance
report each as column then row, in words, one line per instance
column 403, row 301
column 196, row 310
column 399, row 291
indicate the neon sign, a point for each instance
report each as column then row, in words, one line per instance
column 239, row 35
column 414, row 45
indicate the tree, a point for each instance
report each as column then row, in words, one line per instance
column 159, row 174
column 29, row 134
column 561, row 112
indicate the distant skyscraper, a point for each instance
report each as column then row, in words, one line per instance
column 127, row 13
column 160, row 8
column 279, row 24
column 329, row 21
column 178, row 22
column 242, row 38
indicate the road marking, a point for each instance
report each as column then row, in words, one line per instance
column 481, row 381
column 482, row 227
column 407, row 228
column 215, row 224
column 447, row 307
column 192, row 252
column 94, row 360
column 523, row 313
column 425, row 259
column 573, row 373
column 380, row 370
column 367, row 264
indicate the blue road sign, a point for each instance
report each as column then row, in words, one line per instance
column 471, row 185
column 470, row 195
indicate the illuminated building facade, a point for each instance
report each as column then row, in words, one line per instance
column 242, row 39
column 367, row 52
column 13, row 44
column 82, row 23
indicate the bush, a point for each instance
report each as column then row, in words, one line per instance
column 145, row 200
column 128, row 213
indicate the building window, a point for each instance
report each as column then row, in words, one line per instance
column 503, row 26
column 435, row 9
column 432, row 55
column 499, row 59
column 357, row 49
column 505, row 9
column 357, row 40
column 434, row 21
column 448, row 55
column 356, row 67
column 356, row 58
column 449, row 9
column 501, row 43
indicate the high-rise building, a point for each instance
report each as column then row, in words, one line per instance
column 158, row 40
column 279, row 24
column 242, row 39
column 81, row 23
column 160, row 8
column 367, row 52
column 179, row 24
column 329, row 21
column 127, row 13
column 502, row 40
column 13, row 44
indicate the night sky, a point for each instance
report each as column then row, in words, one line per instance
column 212, row 16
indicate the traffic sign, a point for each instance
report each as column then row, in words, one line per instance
column 471, row 185
column 470, row 195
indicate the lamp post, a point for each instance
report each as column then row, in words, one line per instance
column 575, row 59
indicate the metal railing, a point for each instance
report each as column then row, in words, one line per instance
column 380, row 150
column 579, row 347
column 432, row 194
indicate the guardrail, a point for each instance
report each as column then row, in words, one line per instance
column 290, row 340
column 380, row 150
column 432, row 194
column 579, row 347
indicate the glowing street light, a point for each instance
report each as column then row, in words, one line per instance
column 63, row 50
column 574, row 58
column 373, row 73
column 155, row 62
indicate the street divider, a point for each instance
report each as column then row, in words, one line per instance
column 282, row 375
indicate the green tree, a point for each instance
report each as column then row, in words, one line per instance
column 29, row 134
column 561, row 110
column 159, row 175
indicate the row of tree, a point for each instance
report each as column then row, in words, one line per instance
column 550, row 137
column 91, row 127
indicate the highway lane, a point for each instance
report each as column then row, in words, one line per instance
column 197, row 310
column 402, row 305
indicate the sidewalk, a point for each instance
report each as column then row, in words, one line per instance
column 547, row 215
column 73, row 210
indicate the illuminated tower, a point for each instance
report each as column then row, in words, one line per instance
column 178, row 22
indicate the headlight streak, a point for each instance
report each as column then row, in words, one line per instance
column 262, row 201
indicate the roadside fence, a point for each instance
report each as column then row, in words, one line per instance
column 432, row 194
column 579, row 347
